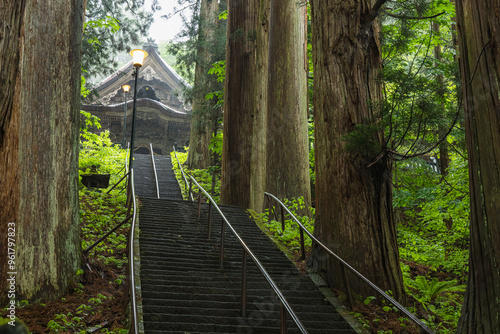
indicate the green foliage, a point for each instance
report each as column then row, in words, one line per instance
column 223, row 15
column 108, row 22
column 64, row 323
column 216, row 143
column 441, row 300
column 97, row 149
column 202, row 176
column 75, row 323
column 290, row 237
column 219, row 69
column 99, row 209
column 84, row 92
column 112, row 26
column 433, row 230
column 433, row 215
column 430, row 291
column 419, row 73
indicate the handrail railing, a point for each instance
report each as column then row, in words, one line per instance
column 303, row 229
column 186, row 183
column 285, row 307
column 134, row 324
column 154, row 170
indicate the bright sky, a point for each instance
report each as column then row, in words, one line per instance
column 162, row 29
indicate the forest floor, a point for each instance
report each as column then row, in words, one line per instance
column 98, row 301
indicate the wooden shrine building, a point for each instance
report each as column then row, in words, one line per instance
column 161, row 115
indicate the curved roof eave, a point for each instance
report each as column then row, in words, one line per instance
column 128, row 67
column 143, row 102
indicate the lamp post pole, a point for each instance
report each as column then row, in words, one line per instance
column 131, row 159
column 125, row 91
column 138, row 59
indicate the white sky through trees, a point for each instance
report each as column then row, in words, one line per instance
column 163, row 29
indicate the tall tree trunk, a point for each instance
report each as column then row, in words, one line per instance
column 39, row 146
column 245, row 104
column 479, row 51
column 201, row 123
column 287, row 167
column 354, row 197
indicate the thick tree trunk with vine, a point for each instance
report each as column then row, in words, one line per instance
column 39, row 108
column 287, row 170
column 203, row 113
column 245, row 104
column 354, row 215
column 479, row 51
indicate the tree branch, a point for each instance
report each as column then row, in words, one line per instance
column 407, row 156
column 404, row 17
column 373, row 13
column 177, row 12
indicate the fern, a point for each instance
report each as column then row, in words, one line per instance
column 429, row 291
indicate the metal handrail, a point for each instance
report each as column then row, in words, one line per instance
column 154, row 170
column 188, row 188
column 284, row 303
column 134, row 324
column 400, row 307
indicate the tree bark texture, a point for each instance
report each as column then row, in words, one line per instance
column 202, row 118
column 354, row 215
column 39, row 150
column 479, row 52
column 287, row 170
column 245, row 104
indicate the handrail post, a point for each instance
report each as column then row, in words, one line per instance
column 199, row 204
column 222, row 229
column 270, row 210
column 302, row 248
column 154, row 170
column 244, row 284
column 130, row 199
column 190, row 188
column 209, row 219
column 282, row 219
column 283, row 325
column 346, row 285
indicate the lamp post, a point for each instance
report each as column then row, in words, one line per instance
column 138, row 59
column 126, row 89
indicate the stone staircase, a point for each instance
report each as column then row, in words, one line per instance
column 145, row 181
column 184, row 291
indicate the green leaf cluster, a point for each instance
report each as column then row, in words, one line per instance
column 433, row 215
column 290, row 237
column 202, row 176
column 112, row 26
column 441, row 300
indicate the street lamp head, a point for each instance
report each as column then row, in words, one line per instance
column 138, row 56
column 126, row 88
